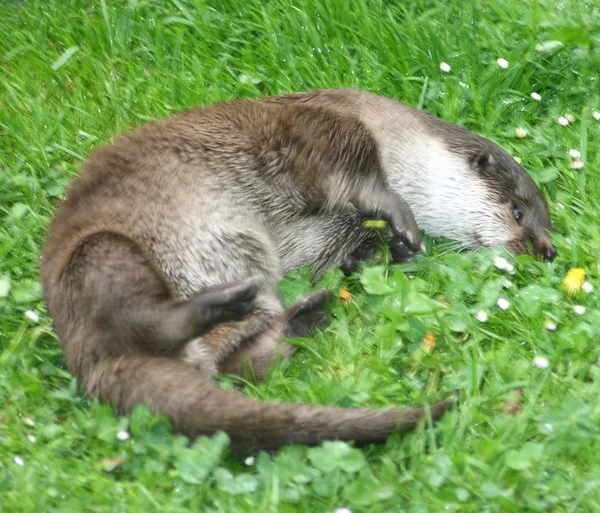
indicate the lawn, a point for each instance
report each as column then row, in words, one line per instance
column 74, row 74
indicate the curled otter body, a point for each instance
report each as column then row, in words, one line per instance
column 160, row 267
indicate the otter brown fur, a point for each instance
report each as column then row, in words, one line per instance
column 160, row 267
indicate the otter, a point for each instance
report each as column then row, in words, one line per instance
column 160, row 267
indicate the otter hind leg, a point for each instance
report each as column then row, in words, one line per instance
column 237, row 250
column 256, row 355
column 230, row 301
column 306, row 316
column 112, row 280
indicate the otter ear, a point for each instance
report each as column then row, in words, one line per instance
column 482, row 161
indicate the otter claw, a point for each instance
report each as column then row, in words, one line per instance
column 405, row 227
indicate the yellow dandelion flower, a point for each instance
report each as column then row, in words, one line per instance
column 429, row 340
column 573, row 281
column 345, row 295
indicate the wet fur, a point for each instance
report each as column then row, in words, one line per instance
column 160, row 268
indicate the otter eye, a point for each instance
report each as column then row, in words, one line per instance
column 518, row 213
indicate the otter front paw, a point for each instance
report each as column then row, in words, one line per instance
column 363, row 253
column 399, row 252
column 398, row 214
column 382, row 202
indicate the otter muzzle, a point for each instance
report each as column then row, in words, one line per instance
column 542, row 246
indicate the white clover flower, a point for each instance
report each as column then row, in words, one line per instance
column 507, row 284
column 31, row 438
column 502, row 63
column 503, row 304
column 482, row 316
column 521, row 133
column 579, row 309
column 576, row 164
column 501, row 263
column 574, row 154
column 541, row 362
column 19, row 461
column 249, row 461
column 596, row 115
column 343, row 510
column 562, row 121
column 536, row 97
column 445, row 67
column 550, row 326
column 123, row 435
column 28, row 421
column 587, row 287
column 510, row 269
column 32, row 316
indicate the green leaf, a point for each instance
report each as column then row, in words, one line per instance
column 196, row 463
column 177, row 20
column 490, row 292
column 492, row 491
column 456, row 323
column 549, row 46
column 295, row 286
column 415, row 303
column 27, row 291
column 64, row 58
column 50, row 430
column 235, row 485
column 374, row 281
column 140, row 420
column 329, row 484
column 289, row 465
column 462, row 494
column 4, row 286
column 107, row 424
column 434, row 478
column 54, row 191
column 17, row 211
column 525, row 457
column 516, row 460
column 336, row 455
column 546, row 175
column 365, row 489
column 576, row 34
column 533, row 297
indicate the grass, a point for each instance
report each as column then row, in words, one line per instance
column 74, row 74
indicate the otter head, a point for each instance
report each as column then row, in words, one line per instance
column 477, row 194
column 522, row 219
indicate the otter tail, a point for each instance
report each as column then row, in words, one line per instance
column 196, row 406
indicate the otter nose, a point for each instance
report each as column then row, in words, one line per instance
column 549, row 253
column 542, row 246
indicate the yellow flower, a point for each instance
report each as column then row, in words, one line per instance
column 345, row 295
column 573, row 281
column 429, row 341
